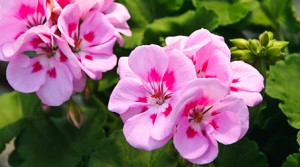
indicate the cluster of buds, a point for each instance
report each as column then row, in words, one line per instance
column 266, row 48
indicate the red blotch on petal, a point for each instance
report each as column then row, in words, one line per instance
column 204, row 66
column 214, row 113
column 169, row 79
column 52, row 73
column 36, row 41
column 89, row 37
column 19, row 34
column 142, row 99
column 71, row 27
column 210, row 76
column 191, row 133
column 63, row 3
column 188, row 107
column 88, row 57
column 36, row 67
column 63, row 57
column 144, row 109
column 25, row 10
column 168, row 110
column 235, row 80
column 214, row 124
column 203, row 101
column 233, row 89
column 153, row 118
column 153, row 75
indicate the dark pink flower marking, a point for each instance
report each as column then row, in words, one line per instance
column 214, row 124
column 88, row 57
column 235, row 80
column 142, row 99
column 52, row 73
column 36, row 67
column 204, row 66
column 71, row 27
column 233, row 89
column 154, row 76
column 153, row 118
column 89, row 37
column 169, row 79
column 36, row 42
column 24, row 11
column 191, row 133
column 168, row 110
column 63, row 57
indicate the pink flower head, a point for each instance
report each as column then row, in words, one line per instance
column 114, row 12
column 19, row 16
column 207, row 114
column 39, row 65
column 247, row 83
column 91, row 38
column 146, row 94
column 209, row 53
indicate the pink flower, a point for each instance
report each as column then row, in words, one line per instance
column 91, row 38
column 207, row 115
column 145, row 97
column 247, row 83
column 114, row 12
column 209, row 53
column 40, row 66
column 19, row 16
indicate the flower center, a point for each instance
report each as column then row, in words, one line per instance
column 160, row 93
column 197, row 114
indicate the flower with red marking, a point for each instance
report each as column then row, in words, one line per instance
column 39, row 65
column 208, row 51
column 207, row 115
column 91, row 38
column 247, row 83
column 19, row 16
column 146, row 98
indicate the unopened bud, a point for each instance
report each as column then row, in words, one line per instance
column 264, row 39
column 280, row 44
column 254, row 45
column 74, row 114
column 274, row 52
column 245, row 55
column 240, row 43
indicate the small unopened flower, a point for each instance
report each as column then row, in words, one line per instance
column 75, row 115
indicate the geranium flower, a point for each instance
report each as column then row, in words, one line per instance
column 91, row 38
column 209, row 52
column 146, row 98
column 247, row 83
column 40, row 65
column 207, row 114
column 19, row 16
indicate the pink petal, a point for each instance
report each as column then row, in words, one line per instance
column 148, row 62
column 175, row 78
column 214, row 65
column 126, row 94
column 79, row 84
column 176, row 42
column 247, row 83
column 196, row 41
column 210, row 154
column 189, row 142
column 164, row 124
column 22, row 72
column 124, row 69
column 95, row 29
column 137, row 131
column 58, row 87
column 211, row 91
column 227, row 127
column 68, row 23
column 98, row 62
column 134, row 110
column 238, row 107
column 117, row 15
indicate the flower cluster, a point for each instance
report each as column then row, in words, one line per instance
column 189, row 91
column 51, row 45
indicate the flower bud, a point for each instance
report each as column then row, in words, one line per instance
column 280, row 44
column 74, row 114
column 264, row 39
column 240, row 43
column 254, row 45
column 245, row 55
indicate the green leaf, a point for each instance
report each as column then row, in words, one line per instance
column 292, row 161
column 282, row 13
column 244, row 153
column 115, row 151
column 183, row 24
column 283, row 84
column 14, row 108
column 298, row 138
column 49, row 141
column 228, row 13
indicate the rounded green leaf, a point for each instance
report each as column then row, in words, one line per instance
column 283, row 84
column 292, row 161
